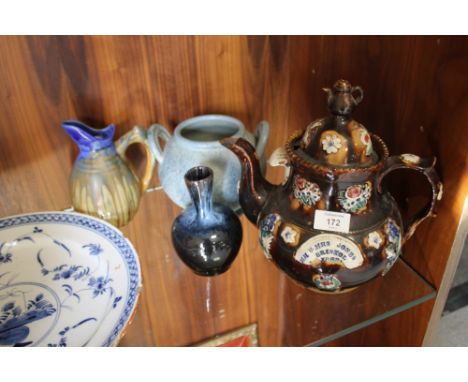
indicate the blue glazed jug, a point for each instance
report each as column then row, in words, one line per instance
column 103, row 182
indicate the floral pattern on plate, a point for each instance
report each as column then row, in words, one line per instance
column 70, row 280
column 307, row 193
column 354, row 199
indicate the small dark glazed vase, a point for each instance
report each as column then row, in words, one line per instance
column 206, row 235
column 331, row 225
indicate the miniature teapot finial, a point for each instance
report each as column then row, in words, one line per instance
column 338, row 139
column 340, row 98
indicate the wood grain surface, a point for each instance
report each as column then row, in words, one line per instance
column 415, row 98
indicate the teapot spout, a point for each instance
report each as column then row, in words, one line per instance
column 254, row 188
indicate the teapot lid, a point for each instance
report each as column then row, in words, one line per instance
column 338, row 139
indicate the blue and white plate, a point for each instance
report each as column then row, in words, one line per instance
column 66, row 279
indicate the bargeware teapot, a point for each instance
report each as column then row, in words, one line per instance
column 331, row 225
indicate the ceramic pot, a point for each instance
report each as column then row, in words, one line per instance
column 332, row 225
column 103, row 182
column 206, row 235
column 196, row 143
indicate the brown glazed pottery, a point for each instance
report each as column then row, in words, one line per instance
column 331, row 225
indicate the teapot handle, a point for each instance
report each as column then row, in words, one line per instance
column 137, row 135
column 425, row 166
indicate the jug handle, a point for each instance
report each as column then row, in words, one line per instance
column 424, row 166
column 137, row 135
column 261, row 137
column 155, row 132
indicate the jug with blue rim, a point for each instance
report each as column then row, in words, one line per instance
column 103, row 182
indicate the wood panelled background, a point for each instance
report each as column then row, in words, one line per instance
column 416, row 99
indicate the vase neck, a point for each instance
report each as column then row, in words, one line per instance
column 199, row 181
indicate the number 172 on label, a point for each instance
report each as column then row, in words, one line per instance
column 332, row 221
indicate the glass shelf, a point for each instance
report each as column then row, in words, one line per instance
column 178, row 308
column 395, row 298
